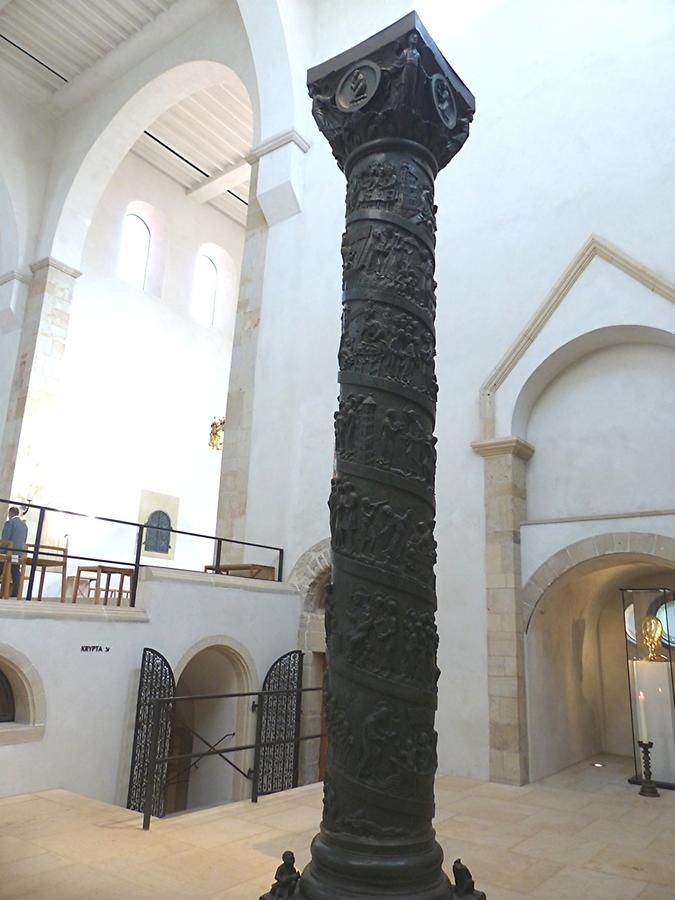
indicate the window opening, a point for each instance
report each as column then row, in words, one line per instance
column 134, row 251
column 157, row 538
column 204, row 290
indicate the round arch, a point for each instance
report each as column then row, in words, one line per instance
column 96, row 153
column 572, row 352
column 309, row 575
column 236, row 652
column 29, row 698
column 243, row 41
column 205, row 718
column 591, row 554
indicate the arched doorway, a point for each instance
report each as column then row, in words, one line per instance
column 214, row 666
column 311, row 575
column 575, row 658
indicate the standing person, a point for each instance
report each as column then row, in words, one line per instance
column 15, row 532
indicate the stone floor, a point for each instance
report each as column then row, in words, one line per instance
column 583, row 833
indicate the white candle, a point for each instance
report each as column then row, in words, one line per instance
column 642, row 718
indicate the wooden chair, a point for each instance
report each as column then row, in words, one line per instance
column 49, row 557
column 95, row 576
column 6, row 577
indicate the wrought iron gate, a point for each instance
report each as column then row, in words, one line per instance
column 156, row 681
column 276, row 765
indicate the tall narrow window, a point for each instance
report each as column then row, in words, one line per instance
column 6, row 699
column 157, row 536
column 134, row 251
column 204, row 290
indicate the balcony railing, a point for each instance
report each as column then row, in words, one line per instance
column 100, row 558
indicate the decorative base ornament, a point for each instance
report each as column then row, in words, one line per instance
column 647, row 786
column 286, row 879
column 394, row 113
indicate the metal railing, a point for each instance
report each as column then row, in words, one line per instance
column 154, row 759
column 217, row 543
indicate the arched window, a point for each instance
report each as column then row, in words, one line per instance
column 204, row 289
column 7, row 710
column 157, row 538
column 666, row 615
column 132, row 265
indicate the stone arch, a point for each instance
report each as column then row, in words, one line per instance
column 591, row 553
column 246, row 681
column 572, row 352
column 29, row 698
column 237, row 653
column 96, row 153
column 311, row 575
column 309, row 572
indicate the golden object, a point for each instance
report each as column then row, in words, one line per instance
column 216, row 435
column 652, row 629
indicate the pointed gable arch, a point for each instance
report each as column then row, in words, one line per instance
column 595, row 247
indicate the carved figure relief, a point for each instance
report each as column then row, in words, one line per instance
column 376, row 639
column 406, row 448
column 337, row 725
column 358, row 86
column 388, row 344
column 376, row 531
column 382, row 257
column 398, row 188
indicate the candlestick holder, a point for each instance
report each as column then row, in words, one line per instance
column 648, row 788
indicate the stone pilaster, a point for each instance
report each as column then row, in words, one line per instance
column 505, row 510
column 394, row 113
column 31, row 423
column 234, row 472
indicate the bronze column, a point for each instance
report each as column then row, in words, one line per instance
column 394, row 113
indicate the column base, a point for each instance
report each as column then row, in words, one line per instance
column 343, row 869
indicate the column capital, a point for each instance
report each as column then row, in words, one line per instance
column 505, row 446
column 395, row 85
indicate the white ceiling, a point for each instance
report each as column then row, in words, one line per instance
column 213, row 129
column 57, row 40
column 69, row 36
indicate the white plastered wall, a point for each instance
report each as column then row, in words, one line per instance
column 142, row 379
column 91, row 696
column 548, row 163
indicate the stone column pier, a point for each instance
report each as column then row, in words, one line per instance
column 395, row 113
column 31, row 422
column 505, row 509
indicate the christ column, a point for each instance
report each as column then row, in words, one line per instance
column 395, row 113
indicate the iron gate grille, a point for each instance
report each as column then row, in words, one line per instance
column 279, row 720
column 156, row 681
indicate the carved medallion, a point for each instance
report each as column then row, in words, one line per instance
column 444, row 100
column 358, row 86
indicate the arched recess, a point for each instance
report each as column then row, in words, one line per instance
column 311, row 575
column 591, row 554
column 29, row 698
column 217, row 664
column 90, row 161
column 573, row 351
column 575, row 650
column 244, row 41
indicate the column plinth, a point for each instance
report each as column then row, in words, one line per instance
column 394, row 113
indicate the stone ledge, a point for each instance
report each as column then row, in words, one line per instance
column 19, row 733
column 260, row 585
column 54, row 609
column 506, row 446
